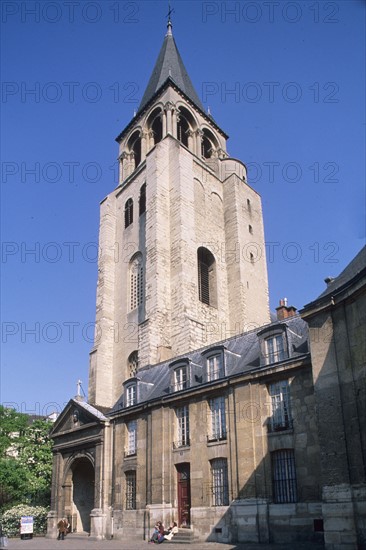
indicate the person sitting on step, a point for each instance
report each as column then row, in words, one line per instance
column 173, row 530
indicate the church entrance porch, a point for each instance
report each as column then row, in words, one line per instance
column 79, row 499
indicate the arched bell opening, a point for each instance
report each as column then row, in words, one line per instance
column 182, row 130
column 155, row 126
column 134, row 147
column 185, row 127
column 209, row 144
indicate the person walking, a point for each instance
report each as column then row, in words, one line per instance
column 62, row 527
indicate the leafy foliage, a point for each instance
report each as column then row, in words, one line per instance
column 10, row 520
column 25, row 459
column 12, row 428
column 13, row 481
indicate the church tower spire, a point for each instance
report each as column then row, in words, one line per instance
column 169, row 66
column 169, row 25
column 182, row 261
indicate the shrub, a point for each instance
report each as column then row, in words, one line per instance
column 10, row 520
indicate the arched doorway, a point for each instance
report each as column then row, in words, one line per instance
column 81, row 480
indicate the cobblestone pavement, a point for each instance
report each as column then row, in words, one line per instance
column 75, row 542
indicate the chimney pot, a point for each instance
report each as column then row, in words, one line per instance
column 284, row 311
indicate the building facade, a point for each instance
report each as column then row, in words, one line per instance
column 201, row 407
column 337, row 325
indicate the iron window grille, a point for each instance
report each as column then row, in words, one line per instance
column 284, row 476
column 130, row 490
column 220, row 485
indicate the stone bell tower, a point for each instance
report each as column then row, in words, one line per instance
column 182, row 259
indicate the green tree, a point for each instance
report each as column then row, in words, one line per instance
column 13, row 482
column 36, row 458
column 12, row 428
column 25, row 459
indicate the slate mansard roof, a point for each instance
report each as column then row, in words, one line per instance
column 354, row 271
column 242, row 356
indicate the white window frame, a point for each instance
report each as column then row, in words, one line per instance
column 275, row 348
column 281, row 418
column 182, row 414
column 180, row 378
column 131, row 447
column 215, row 366
column 217, row 419
column 131, row 395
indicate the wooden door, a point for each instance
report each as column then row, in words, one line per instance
column 184, row 495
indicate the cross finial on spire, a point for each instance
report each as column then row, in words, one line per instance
column 169, row 25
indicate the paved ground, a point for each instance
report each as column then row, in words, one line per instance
column 75, row 542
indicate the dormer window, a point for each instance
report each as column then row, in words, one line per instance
column 180, row 378
column 131, row 394
column 273, row 344
column 215, row 367
column 179, row 375
column 274, row 349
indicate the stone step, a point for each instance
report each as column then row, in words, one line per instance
column 184, row 536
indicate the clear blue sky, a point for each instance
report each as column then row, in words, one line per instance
column 295, row 115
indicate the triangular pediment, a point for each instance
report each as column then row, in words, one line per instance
column 77, row 414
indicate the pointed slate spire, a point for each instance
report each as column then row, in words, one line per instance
column 170, row 65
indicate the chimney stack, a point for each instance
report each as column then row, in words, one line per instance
column 284, row 311
column 328, row 280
